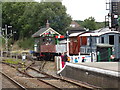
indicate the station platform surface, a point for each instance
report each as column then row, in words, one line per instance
column 112, row 66
column 101, row 74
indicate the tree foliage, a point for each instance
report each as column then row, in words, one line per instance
column 27, row 17
column 89, row 23
column 98, row 24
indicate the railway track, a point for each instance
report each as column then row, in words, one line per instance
column 54, row 81
column 17, row 84
column 42, row 65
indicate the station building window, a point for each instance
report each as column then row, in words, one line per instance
column 102, row 39
column 111, row 39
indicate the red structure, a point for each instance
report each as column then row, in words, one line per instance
column 75, row 44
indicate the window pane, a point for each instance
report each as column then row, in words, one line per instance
column 102, row 39
column 111, row 39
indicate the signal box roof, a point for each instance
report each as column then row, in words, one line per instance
column 43, row 31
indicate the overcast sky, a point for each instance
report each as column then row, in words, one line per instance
column 82, row 9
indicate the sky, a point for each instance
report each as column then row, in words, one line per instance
column 82, row 9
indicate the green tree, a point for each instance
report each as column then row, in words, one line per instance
column 89, row 23
column 13, row 14
column 100, row 25
column 27, row 17
column 55, row 12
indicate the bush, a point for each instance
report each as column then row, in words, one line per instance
column 27, row 43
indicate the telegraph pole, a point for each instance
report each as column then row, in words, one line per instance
column 1, row 42
column 6, row 39
column 7, row 35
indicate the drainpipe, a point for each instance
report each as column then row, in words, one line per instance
column 109, row 54
column 91, row 48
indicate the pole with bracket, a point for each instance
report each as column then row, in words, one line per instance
column 67, row 43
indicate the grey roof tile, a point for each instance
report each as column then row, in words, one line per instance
column 37, row 34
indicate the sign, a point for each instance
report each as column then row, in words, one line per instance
column 79, row 59
column 59, row 36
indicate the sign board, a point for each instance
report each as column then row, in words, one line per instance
column 79, row 59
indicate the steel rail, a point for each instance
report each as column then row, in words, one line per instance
column 15, row 82
column 25, row 72
column 82, row 85
column 44, row 81
column 49, row 84
column 42, row 66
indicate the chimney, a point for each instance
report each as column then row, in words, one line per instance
column 47, row 24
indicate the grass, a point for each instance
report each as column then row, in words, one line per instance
column 13, row 61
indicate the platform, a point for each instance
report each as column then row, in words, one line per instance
column 102, row 74
column 113, row 66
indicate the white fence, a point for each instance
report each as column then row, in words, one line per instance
column 73, row 59
column 79, row 59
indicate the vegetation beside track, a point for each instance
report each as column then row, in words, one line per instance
column 12, row 61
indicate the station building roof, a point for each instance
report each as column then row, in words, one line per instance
column 104, row 45
column 100, row 32
column 75, row 34
column 44, row 30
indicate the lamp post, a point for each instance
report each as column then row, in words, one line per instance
column 1, row 41
column 67, row 43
